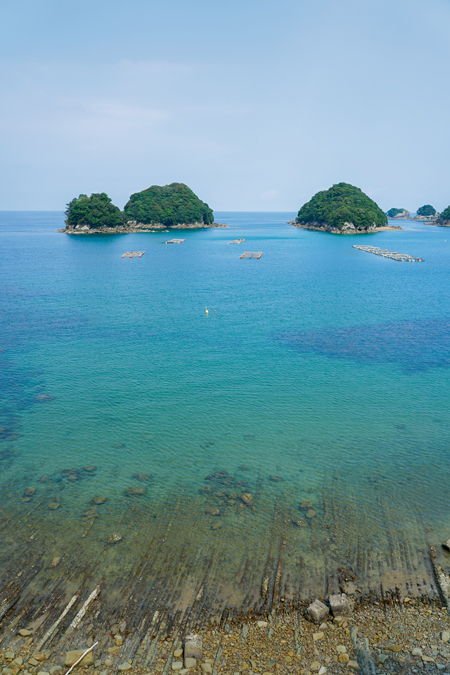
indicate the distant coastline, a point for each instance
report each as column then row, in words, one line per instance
column 133, row 227
column 345, row 230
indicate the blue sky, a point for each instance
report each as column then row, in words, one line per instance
column 256, row 105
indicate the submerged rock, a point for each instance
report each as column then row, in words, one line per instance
column 304, row 506
column 114, row 538
column 29, row 492
column 275, row 479
column 311, row 513
column 90, row 469
column 98, row 500
column 300, row 522
column 53, row 506
column 135, row 491
column 142, row 477
column 247, row 498
column 212, row 512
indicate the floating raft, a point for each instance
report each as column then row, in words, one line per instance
column 133, row 254
column 393, row 255
column 249, row 254
column 175, row 241
column 236, row 241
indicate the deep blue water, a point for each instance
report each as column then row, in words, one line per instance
column 316, row 360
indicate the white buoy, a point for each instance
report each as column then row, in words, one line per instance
column 206, row 311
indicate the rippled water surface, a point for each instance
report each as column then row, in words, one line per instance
column 320, row 374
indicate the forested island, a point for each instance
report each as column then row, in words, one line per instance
column 173, row 206
column 426, row 212
column 343, row 209
column 399, row 214
column 444, row 218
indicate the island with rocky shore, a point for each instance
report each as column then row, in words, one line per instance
column 159, row 208
column 343, row 209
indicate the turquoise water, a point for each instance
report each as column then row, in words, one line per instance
column 319, row 364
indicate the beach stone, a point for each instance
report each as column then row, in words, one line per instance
column 73, row 656
column 119, row 641
column 24, row 632
column 177, row 665
column 323, row 626
column 44, row 655
column 427, row 659
column 341, row 649
column 108, row 663
column 55, row 562
column 18, row 661
column 114, row 538
column 317, row 611
column 55, row 670
column 416, row 651
column 343, row 658
column 445, row 636
column 314, row 667
column 341, row 605
column 190, row 662
column 395, row 648
column 353, row 665
column 206, row 667
column 446, row 545
column 43, row 672
column 322, row 670
column 318, row 636
column 193, row 646
column 33, row 662
column 178, row 653
column 262, row 624
column 124, row 666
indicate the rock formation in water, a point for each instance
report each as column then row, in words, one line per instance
column 398, row 214
column 426, row 212
column 443, row 218
column 173, row 205
column 152, row 210
column 343, row 209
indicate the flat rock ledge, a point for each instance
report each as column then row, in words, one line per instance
column 138, row 227
column 348, row 228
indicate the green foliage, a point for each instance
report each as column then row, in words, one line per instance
column 394, row 212
column 169, row 204
column 426, row 210
column 342, row 203
column 445, row 215
column 95, row 211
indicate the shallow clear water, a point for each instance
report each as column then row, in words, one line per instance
column 320, row 364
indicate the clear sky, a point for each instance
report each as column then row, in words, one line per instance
column 255, row 104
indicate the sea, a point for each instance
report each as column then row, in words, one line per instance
column 235, row 432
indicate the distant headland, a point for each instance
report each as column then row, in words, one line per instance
column 343, row 209
column 173, row 206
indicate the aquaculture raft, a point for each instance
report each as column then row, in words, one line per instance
column 249, row 254
column 133, row 254
column 393, row 255
column 236, row 241
column 175, row 241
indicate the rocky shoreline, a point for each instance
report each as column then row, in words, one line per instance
column 133, row 227
column 348, row 228
column 381, row 634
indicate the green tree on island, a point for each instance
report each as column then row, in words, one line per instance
column 169, row 204
column 394, row 212
column 426, row 210
column 342, row 203
column 444, row 216
column 96, row 211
